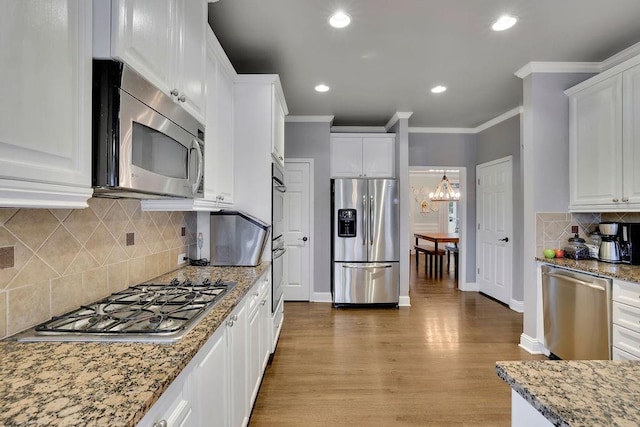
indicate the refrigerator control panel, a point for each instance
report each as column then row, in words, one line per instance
column 346, row 223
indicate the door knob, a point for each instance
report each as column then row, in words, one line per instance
column 304, row 239
column 506, row 239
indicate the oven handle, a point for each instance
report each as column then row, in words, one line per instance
column 278, row 253
column 280, row 187
column 196, row 146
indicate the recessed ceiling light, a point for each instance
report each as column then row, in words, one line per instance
column 339, row 19
column 504, row 23
column 321, row 88
column 438, row 89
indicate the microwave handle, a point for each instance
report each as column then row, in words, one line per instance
column 196, row 146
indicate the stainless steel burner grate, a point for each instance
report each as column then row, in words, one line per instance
column 148, row 312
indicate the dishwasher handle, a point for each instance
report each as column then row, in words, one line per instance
column 574, row 280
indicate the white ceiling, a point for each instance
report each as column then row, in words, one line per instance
column 395, row 51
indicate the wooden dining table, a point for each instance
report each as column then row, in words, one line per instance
column 437, row 238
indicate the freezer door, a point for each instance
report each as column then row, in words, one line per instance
column 350, row 194
column 366, row 283
column 383, row 220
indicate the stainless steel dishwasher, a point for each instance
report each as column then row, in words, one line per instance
column 577, row 314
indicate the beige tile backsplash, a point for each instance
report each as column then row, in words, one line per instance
column 553, row 230
column 65, row 258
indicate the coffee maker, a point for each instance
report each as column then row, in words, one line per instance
column 610, row 246
column 629, row 237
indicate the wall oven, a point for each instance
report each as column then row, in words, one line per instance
column 277, row 245
column 144, row 144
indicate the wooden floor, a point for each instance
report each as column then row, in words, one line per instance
column 431, row 364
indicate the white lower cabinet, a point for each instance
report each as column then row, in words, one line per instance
column 259, row 348
column 219, row 385
column 174, row 408
column 626, row 321
column 523, row 414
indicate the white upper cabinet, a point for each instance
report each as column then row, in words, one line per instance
column 45, row 108
column 277, row 140
column 219, row 137
column 163, row 40
column 604, row 141
column 219, row 124
column 362, row 155
column 259, row 109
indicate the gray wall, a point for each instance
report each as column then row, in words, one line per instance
column 451, row 150
column 311, row 140
column 545, row 167
column 496, row 142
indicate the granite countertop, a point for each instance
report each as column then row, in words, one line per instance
column 578, row 393
column 89, row 383
column 630, row 273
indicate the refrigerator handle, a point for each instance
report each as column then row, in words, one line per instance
column 364, row 220
column 371, row 220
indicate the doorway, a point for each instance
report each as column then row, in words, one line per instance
column 494, row 216
column 438, row 217
column 298, row 229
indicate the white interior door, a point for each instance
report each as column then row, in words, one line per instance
column 494, row 213
column 297, row 230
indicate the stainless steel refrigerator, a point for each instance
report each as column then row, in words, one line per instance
column 365, row 253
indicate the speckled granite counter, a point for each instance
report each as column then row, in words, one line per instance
column 578, row 393
column 626, row 272
column 73, row 384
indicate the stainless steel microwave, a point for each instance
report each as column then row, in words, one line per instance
column 144, row 144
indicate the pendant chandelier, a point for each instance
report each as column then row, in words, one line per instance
column 444, row 192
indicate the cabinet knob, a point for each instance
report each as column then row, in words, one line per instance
column 263, row 302
column 229, row 323
column 615, row 200
column 174, row 92
column 257, row 294
column 161, row 423
column 625, row 199
column 234, row 317
column 182, row 98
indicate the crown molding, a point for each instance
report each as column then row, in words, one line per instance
column 620, row 57
column 440, row 130
column 397, row 116
column 309, row 119
column 358, row 129
column 501, row 118
column 558, row 67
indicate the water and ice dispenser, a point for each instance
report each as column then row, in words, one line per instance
column 347, row 222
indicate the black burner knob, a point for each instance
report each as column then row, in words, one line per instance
column 175, row 282
column 187, row 282
column 206, row 282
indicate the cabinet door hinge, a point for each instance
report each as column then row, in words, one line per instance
column 478, row 226
column 478, row 270
column 478, row 181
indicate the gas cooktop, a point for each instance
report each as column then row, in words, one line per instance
column 150, row 312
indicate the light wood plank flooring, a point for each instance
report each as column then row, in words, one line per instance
column 431, row 364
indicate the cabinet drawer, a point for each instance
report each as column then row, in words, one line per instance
column 627, row 316
column 626, row 340
column 626, row 293
column 622, row 355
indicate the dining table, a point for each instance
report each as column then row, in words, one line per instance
column 437, row 238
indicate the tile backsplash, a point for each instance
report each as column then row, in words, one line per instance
column 554, row 229
column 54, row 260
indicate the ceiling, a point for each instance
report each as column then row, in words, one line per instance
column 395, row 51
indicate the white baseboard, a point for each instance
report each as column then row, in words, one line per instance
column 321, row 297
column 532, row 345
column 517, row 306
column 404, row 301
column 469, row 287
